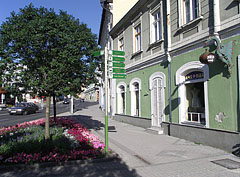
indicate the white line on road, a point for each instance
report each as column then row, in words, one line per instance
column 4, row 114
column 1, row 120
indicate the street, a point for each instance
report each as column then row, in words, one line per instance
column 9, row 120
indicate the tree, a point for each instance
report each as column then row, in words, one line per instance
column 55, row 52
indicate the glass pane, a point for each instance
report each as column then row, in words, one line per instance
column 195, row 8
column 156, row 32
column 187, row 10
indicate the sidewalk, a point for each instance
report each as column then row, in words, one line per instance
column 141, row 154
column 153, row 155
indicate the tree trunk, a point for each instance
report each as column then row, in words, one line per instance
column 54, row 108
column 47, row 130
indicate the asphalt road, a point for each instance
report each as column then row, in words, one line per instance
column 9, row 120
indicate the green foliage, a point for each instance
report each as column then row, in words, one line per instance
column 46, row 53
column 32, row 140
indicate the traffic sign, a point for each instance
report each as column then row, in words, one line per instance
column 120, row 59
column 119, row 70
column 119, row 65
column 98, row 53
column 115, row 52
column 119, row 76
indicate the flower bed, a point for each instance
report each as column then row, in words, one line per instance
column 69, row 140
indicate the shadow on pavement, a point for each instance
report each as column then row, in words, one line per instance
column 88, row 122
column 236, row 150
column 84, row 105
column 111, row 168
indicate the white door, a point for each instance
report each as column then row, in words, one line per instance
column 157, row 95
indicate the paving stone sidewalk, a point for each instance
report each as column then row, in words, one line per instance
column 141, row 154
column 153, row 155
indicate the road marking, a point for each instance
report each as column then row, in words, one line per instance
column 1, row 120
column 4, row 114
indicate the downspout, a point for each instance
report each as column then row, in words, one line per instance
column 238, row 116
column 217, row 21
column 169, row 59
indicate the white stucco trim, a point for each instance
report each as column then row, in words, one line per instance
column 180, row 82
column 135, row 80
column 157, row 74
column 152, row 77
column 119, row 94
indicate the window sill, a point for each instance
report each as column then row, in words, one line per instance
column 155, row 44
column 190, row 24
column 136, row 53
column 193, row 124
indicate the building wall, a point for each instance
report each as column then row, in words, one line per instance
column 120, row 8
column 187, row 46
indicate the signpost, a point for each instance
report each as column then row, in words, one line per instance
column 114, row 69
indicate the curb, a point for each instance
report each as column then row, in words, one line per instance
column 7, row 168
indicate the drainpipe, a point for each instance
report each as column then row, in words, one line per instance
column 169, row 59
column 217, row 21
column 169, row 86
column 238, row 62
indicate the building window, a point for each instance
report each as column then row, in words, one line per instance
column 121, row 44
column 191, row 79
column 135, row 87
column 156, row 26
column 189, row 10
column 137, row 42
column 136, row 99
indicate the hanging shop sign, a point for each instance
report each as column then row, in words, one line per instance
column 207, row 58
column 194, row 76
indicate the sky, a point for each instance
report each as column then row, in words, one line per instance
column 87, row 11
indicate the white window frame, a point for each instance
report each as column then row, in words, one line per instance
column 121, row 42
column 152, row 77
column 180, row 82
column 182, row 11
column 119, row 91
column 132, row 91
column 137, row 48
column 157, row 9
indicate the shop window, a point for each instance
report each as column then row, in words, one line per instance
column 195, row 105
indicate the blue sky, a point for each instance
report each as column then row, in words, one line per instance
column 87, row 11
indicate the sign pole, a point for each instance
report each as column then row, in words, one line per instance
column 106, row 100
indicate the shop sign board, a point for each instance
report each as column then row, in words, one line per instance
column 194, row 76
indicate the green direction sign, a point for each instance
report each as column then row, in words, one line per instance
column 119, row 65
column 121, row 59
column 119, row 76
column 119, row 70
column 98, row 53
column 119, row 53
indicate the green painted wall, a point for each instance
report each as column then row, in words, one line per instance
column 145, row 93
column 222, row 90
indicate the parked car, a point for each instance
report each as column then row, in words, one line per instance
column 66, row 101
column 23, row 108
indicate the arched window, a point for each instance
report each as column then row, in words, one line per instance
column 157, row 84
column 121, row 98
column 135, row 88
column 191, row 79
